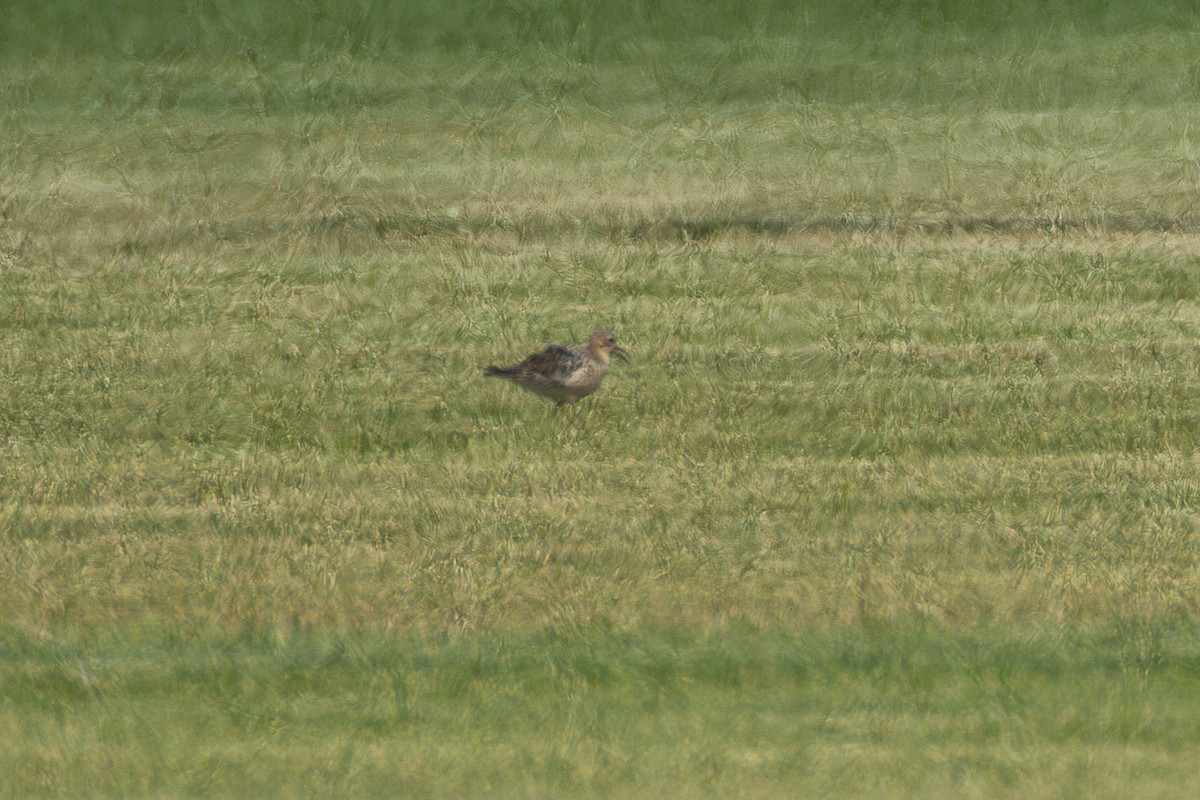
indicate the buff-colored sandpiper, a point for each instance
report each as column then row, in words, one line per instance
column 564, row 373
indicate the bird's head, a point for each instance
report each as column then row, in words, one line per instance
column 604, row 344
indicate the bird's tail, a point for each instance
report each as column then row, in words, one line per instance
column 500, row 372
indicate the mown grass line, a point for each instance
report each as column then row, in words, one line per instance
column 607, row 713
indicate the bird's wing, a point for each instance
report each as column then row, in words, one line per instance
column 555, row 363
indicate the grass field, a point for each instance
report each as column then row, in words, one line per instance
column 896, row 498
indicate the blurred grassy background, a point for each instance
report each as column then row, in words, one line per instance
column 897, row 496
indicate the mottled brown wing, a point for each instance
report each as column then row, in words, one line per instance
column 556, row 363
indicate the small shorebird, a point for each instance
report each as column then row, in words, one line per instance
column 564, row 374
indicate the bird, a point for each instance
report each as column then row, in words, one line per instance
column 565, row 373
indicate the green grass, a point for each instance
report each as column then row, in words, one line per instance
column 603, row 715
column 897, row 497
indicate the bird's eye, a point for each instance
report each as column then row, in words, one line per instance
column 612, row 340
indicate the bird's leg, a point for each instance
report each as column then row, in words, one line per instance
column 573, row 412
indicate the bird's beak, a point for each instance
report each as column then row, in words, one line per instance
column 620, row 351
